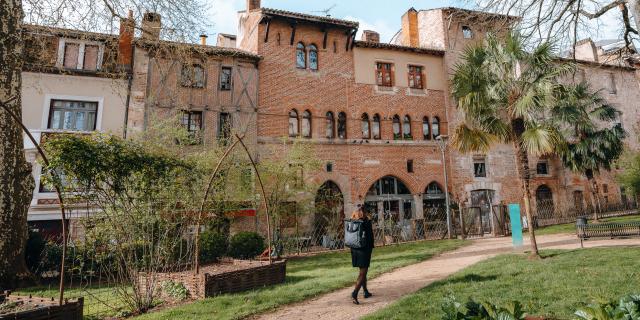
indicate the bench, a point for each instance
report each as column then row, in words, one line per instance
column 607, row 230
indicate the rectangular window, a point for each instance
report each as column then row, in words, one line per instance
column 467, row 33
column 48, row 188
column 410, row 165
column 329, row 167
column 192, row 121
column 612, row 84
column 416, row 77
column 384, row 74
column 224, row 126
column 73, row 115
column 71, row 53
column 90, row 58
column 542, row 168
column 225, row 78
column 479, row 168
column 79, row 55
column 192, row 76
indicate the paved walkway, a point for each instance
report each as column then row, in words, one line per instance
column 391, row 286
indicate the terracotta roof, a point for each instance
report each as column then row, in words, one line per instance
column 308, row 17
column 377, row 45
column 68, row 33
column 596, row 64
column 213, row 50
column 475, row 12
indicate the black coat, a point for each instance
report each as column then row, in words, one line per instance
column 361, row 258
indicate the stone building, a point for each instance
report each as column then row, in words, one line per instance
column 371, row 111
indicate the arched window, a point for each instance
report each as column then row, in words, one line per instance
column 366, row 133
column 293, row 123
column 406, row 127
column 301, row 56
column 331, row 124
column 425, row 128
column 376, row 126
column 396, row 128
column 435, row 127
column 306, row 124
column 313, row 57
column 342, row 125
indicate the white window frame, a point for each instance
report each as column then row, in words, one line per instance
column 46, row 109
column 62, row 42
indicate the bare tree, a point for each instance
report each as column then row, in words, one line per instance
column 568, row 20
column 181, row 18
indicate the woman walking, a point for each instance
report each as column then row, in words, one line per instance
column 361, row 257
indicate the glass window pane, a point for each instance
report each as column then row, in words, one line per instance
column 91, row 121
column 55, row 120
column 376, row 127
column 68, row 120
column 313, row 60
column 80, row 121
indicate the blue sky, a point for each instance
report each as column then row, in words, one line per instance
column 382, row 16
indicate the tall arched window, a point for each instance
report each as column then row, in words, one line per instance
column 342, row 125
column 397, row 134
column 331, row 125
column 406, row 127
column 376, row 126
column 366, row 133
column 301, row 56
column 313, row 57
column 306, row 124
column 435, row 127
column 293, row 123
column 425, row 128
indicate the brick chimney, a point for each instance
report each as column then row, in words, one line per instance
column 125, row 42
column 370, row 36
column 151, row 24
column 253, row 5
column 410, row 28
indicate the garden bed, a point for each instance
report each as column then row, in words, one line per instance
column 227, row 277
column 32, row 308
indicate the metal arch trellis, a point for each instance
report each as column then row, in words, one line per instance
column 208, row 189
column 58, row 192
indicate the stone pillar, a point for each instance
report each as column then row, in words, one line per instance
column 417, row 200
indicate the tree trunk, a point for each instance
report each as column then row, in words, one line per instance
column 596, row 198
column 16, row 182
column 522, row 165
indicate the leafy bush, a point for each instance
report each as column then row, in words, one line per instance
column 627, row 308
column 213, row 245
column 176, row 290
column 246, row 245
column 453, row 310
column 33, row 252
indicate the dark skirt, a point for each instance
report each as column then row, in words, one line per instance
column 361, row 258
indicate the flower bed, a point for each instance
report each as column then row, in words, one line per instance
column 227, row 277
column 32, row 308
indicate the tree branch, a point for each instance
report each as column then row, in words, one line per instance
column 602, row 10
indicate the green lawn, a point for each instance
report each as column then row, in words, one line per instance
column 571, row 227
column 306, row 278
column 555, row 286
column 98, row 302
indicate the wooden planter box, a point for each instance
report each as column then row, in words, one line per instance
column 44, row 309
column 210, row 283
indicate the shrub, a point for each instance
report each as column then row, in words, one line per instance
column 626, row 308
column 213, row 245
column 453, row 310
column 176, row 290
column 246, row 245
column 33, row 252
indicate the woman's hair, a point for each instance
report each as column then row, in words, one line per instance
column 358, row 214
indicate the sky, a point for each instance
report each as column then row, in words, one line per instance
column 382, row 16
column 378, row 15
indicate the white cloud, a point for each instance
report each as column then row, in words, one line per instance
column 385, row 30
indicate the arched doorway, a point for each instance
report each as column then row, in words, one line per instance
column 390, row 204
column 329, row 214
column 481, row 210
column 435, row 213
column 544, row 202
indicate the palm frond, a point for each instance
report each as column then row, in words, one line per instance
column 539, row 140
column 468, row 139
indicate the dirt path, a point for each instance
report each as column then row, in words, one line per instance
column 391, row 286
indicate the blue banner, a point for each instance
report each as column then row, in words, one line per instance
column 516, row 224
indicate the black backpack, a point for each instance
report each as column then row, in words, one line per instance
column 354, row 236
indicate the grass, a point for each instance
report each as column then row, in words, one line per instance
column 98, row 301
column 571, row 227
column 555, row 286
column 306, row 278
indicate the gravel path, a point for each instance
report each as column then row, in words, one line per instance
column 391, row 286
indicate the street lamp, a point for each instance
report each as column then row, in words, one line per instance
column 442, row 143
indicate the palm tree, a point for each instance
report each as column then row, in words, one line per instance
column 595, row 141
column 506, row 94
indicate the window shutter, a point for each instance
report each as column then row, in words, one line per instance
column 393, row 78
column 422, row 80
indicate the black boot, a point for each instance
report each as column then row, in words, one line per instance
column 354, row 297
column 367, row 294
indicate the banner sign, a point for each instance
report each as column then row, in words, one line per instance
column 242, row 213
